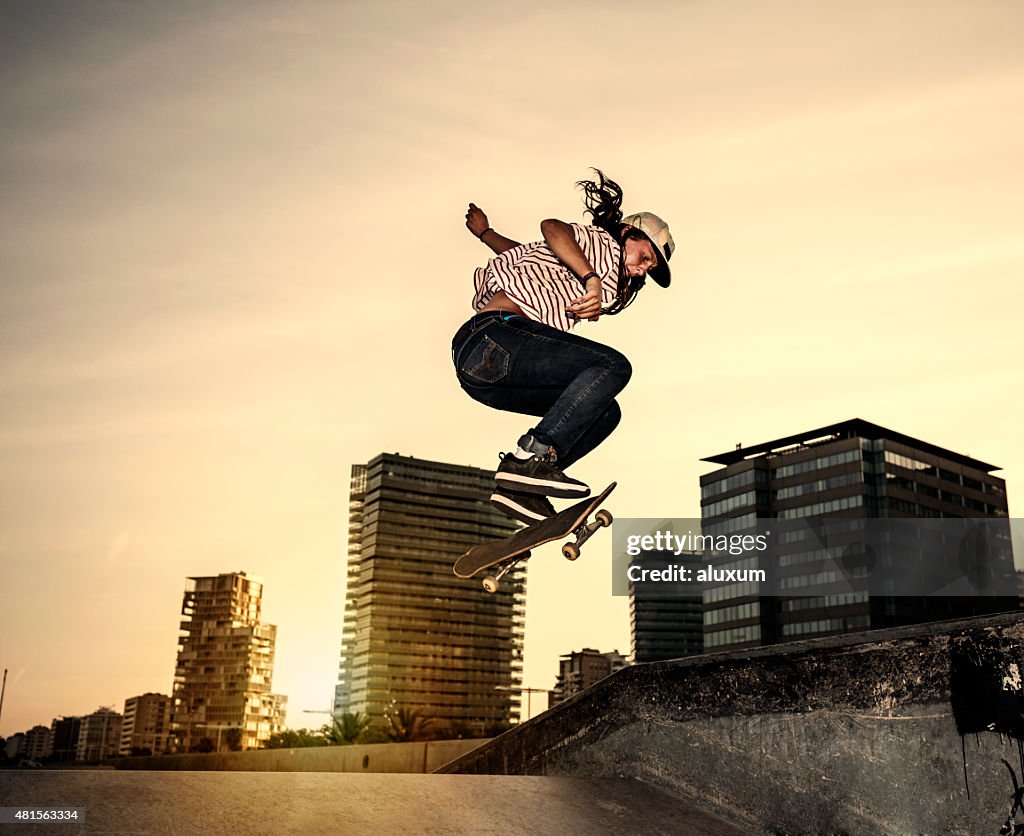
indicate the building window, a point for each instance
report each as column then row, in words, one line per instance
column 739, row 480
column 734, row 635
column 724, row 506
column 813, row 465
column 829, row 507
column 910, row 463
column 819, row 485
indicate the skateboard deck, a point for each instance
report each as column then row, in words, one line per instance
column 503, row 555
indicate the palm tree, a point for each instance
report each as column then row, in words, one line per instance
column 404, row 725
column 345, row 729
column 233, row 738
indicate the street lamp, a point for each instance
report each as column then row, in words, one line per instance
column 521, row 690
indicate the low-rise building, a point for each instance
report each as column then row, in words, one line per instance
column 581, row 669
column 64, row 732
column 100, row 735
column 37, row 743
column 146, row 727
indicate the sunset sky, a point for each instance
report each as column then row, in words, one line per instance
column 233, row 256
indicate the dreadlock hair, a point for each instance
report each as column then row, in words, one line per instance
column 603, row 199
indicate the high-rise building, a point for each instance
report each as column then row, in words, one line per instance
column 416, row 637
column 146, row 728
column 99, row 736
column 665, row 625
column 833, row 478
column 580, row 669
column 222, row 683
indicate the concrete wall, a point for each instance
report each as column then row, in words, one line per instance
column 911, row 730
column 425, row 756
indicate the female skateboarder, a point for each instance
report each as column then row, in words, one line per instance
column 517, row 353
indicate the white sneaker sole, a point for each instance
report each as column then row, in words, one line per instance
column 519, row 512
column 530, row 484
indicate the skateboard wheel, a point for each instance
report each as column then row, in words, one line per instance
column 490, row 584
column 603, row 517
column 570, row 551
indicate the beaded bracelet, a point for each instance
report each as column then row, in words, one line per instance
column 482, row 234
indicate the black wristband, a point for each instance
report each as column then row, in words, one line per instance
column 583, row 279
column 482, row 234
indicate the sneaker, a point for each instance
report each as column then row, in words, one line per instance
column 525, row 507
column 537, row 475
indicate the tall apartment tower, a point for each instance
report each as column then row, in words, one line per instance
column 146, row 727
column 835, row 476
column 222, row 681
column 414, row 635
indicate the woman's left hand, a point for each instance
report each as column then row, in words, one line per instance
column 476, row 220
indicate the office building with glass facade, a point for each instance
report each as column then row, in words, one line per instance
column 665, row 625
column 832, row 479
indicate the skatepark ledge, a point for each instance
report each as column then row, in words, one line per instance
column 912, row 729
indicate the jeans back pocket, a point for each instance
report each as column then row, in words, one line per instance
column 485, row 363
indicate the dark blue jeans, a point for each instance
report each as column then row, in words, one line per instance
column 518, row 365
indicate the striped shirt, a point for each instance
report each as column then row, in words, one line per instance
column 533, row 277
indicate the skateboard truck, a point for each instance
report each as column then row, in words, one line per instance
column 491, row 582
column 570, row 550
column 602, row 519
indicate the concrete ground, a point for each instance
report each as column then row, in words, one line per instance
column 319, row 802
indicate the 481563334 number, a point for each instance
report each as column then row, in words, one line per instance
column 25, row 815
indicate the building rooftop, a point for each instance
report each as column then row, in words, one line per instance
column 854, row 428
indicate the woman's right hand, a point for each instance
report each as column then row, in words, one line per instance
column 587, row 306
column 476, row 220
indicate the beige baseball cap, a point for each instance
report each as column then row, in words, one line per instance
column 658, row 234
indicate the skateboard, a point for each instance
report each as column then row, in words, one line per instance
column 503, row 555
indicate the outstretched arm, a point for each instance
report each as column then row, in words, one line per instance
column 476, row 222
column 559, row 237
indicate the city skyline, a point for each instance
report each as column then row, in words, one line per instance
column 258, row 582
column 235, row 256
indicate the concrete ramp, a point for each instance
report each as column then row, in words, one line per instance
column 908, row 730
column 303, row 803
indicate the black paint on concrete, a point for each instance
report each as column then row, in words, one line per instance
column 986, row 688
column 859, row 733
